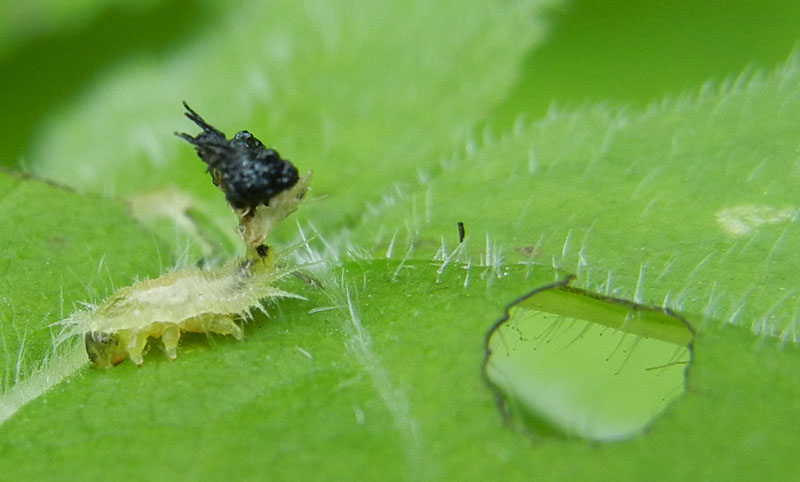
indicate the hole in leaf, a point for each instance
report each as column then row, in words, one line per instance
column 569, row 363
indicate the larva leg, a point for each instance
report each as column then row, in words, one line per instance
column 215, row 323
column 170, row 337
column 136, row 344
column 226, row 326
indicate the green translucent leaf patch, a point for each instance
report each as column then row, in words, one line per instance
column 571, row 363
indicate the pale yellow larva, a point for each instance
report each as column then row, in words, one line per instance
column 262, row 189
column 190, row 299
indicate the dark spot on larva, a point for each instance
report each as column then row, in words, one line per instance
column 461, row 232
column 249, row 173
column 104, row 349
column 262, row 251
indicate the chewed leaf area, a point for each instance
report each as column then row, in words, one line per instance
column 568, row 363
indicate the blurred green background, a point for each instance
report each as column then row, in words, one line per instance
column 619, row 51
column 371, row 106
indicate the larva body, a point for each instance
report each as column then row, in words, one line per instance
column 190, row 299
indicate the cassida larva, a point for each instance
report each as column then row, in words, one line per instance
column 262, row 189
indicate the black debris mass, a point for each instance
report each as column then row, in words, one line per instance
column 247, row 172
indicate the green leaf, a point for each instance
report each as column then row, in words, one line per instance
column 384, row 384
column 60, row 248
column 690, row 204
column 686, row 204
column 375, row 368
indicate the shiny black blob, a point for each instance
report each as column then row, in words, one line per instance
column 247, row 172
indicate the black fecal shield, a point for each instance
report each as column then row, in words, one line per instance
column 247, row 172
column 254, row 174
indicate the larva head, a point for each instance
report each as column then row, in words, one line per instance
column 104, row 349
column 243, row 168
